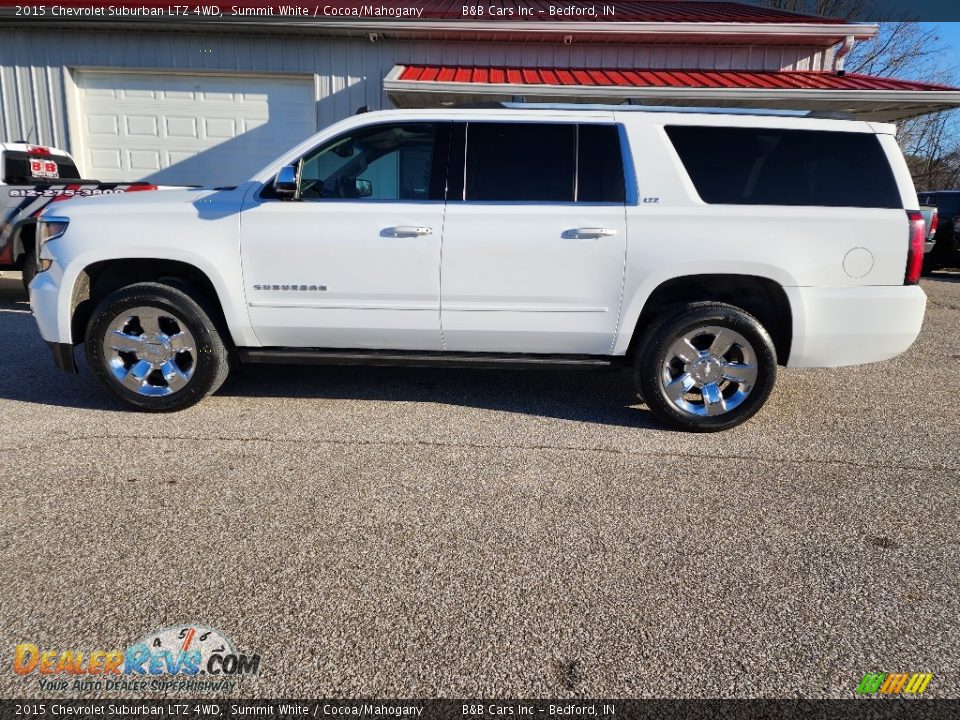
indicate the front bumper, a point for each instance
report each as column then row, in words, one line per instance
column 44, row 302
column 837, row 326
column 63, row 356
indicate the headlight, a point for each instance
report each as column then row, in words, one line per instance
column 48, row 228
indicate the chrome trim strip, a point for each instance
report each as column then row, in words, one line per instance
column 632, row 196
column 342, row 306
column 537, row 202
column 370, row 201
column 454, row 307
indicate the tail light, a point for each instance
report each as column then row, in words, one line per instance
column 918, row 232
column 37, row 150
column 934, row 222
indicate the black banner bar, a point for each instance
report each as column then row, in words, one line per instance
column 422, row 11
column 222, row 709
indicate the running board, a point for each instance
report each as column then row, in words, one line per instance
column 311, row 356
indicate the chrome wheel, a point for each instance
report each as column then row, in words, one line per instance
column 709, row 371
column 150, row 351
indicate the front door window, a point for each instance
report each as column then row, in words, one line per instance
column 382, row 162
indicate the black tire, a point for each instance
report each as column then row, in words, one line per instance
column 672, row 326
column 208, row 361
column 28, row 266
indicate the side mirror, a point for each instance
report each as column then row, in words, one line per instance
column 364, row 188
column 286, row 181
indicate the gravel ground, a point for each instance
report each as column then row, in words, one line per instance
column 420, row 533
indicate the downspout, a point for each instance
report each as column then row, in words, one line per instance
column 841, row 53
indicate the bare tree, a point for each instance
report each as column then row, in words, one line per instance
column 906, row 50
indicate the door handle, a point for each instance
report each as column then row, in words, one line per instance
column 406, row 231
column 588, row 233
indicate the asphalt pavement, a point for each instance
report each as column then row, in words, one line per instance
column 419, row 532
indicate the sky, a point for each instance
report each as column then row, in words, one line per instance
column 949, row 34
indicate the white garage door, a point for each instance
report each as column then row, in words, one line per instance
column 186, row 129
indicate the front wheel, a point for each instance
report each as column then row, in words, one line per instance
column 704, row 367
column 28, row 267
column 155, row 348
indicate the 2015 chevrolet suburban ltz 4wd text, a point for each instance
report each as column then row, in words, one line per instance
column 699, row 249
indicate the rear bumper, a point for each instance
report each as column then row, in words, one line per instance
column 853, row 325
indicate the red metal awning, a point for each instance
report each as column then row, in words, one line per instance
column 870, row 97
column 595, row 77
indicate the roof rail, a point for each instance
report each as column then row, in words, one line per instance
column 627, row 107
column 831, row 115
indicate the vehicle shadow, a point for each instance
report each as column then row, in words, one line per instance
column 603, row 397
column 26, row 371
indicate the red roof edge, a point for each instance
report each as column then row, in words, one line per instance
column 676, row 78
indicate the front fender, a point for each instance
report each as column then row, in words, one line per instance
column 194, row 227
column 225, row 278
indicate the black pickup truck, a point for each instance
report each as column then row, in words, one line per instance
column 946, row 249
column 31, row 177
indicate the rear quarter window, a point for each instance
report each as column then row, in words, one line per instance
column 768, row 166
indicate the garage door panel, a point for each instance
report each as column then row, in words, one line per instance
column 103, row 125
column 187, row 129
column 141, row 125
column 180, row 127
column 143, row 160
column 173, row 157
column 217, row 96
column 219, row 128
column 107, row 159
column 177, row 95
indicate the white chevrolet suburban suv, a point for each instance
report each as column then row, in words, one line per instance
column 700, row 249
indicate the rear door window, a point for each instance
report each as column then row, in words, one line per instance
column 599, row 164
column 521, row 162
column 543, row 162
column 769, row 166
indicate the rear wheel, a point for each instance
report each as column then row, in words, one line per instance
column 704, row 367
column 155, row 348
